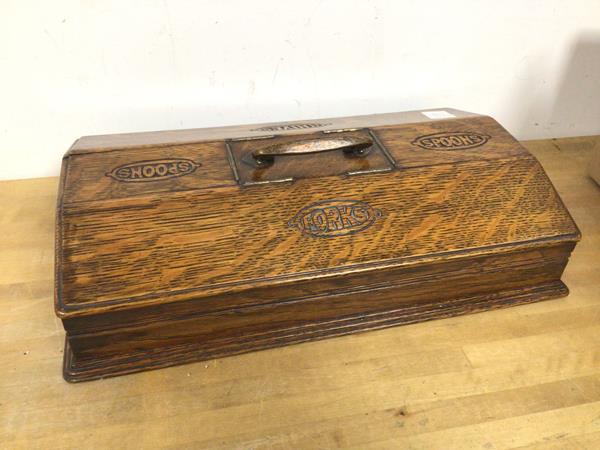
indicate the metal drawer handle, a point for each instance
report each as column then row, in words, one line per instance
column 356, row 146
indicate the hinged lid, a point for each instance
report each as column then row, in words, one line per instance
column 152, row 218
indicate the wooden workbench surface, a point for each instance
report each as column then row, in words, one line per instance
column 523, row 377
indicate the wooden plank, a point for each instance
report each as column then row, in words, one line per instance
column 525, row 378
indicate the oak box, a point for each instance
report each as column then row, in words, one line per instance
column 178, row 246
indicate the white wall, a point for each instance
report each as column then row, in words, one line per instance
column 72, row 68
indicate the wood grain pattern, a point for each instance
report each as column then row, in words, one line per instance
column 411, row 282
column 151, row 248
column 100, row 356
column 526, row 377
column 406, row 154
column 447, row 210
column 456, row 219
column 435, row 282
column 86, row 180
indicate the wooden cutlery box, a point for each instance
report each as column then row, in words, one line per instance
column 179, row 246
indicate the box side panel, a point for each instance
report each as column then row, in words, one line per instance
column 433, row 282
column 59, row 238
column 373, row 280
column 410, row 297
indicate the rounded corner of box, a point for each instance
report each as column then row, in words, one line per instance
column 60, row 309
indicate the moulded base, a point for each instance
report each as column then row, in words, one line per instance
column 101, row 367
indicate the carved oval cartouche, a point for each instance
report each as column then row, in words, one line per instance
column 455, row 140
column 292, row 126
column 153, row 170
column 331, row 218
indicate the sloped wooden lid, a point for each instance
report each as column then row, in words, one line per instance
column 457, row 186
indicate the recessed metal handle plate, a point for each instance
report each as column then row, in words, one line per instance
column 352, row 145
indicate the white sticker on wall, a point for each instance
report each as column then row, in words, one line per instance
column 439, row 114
